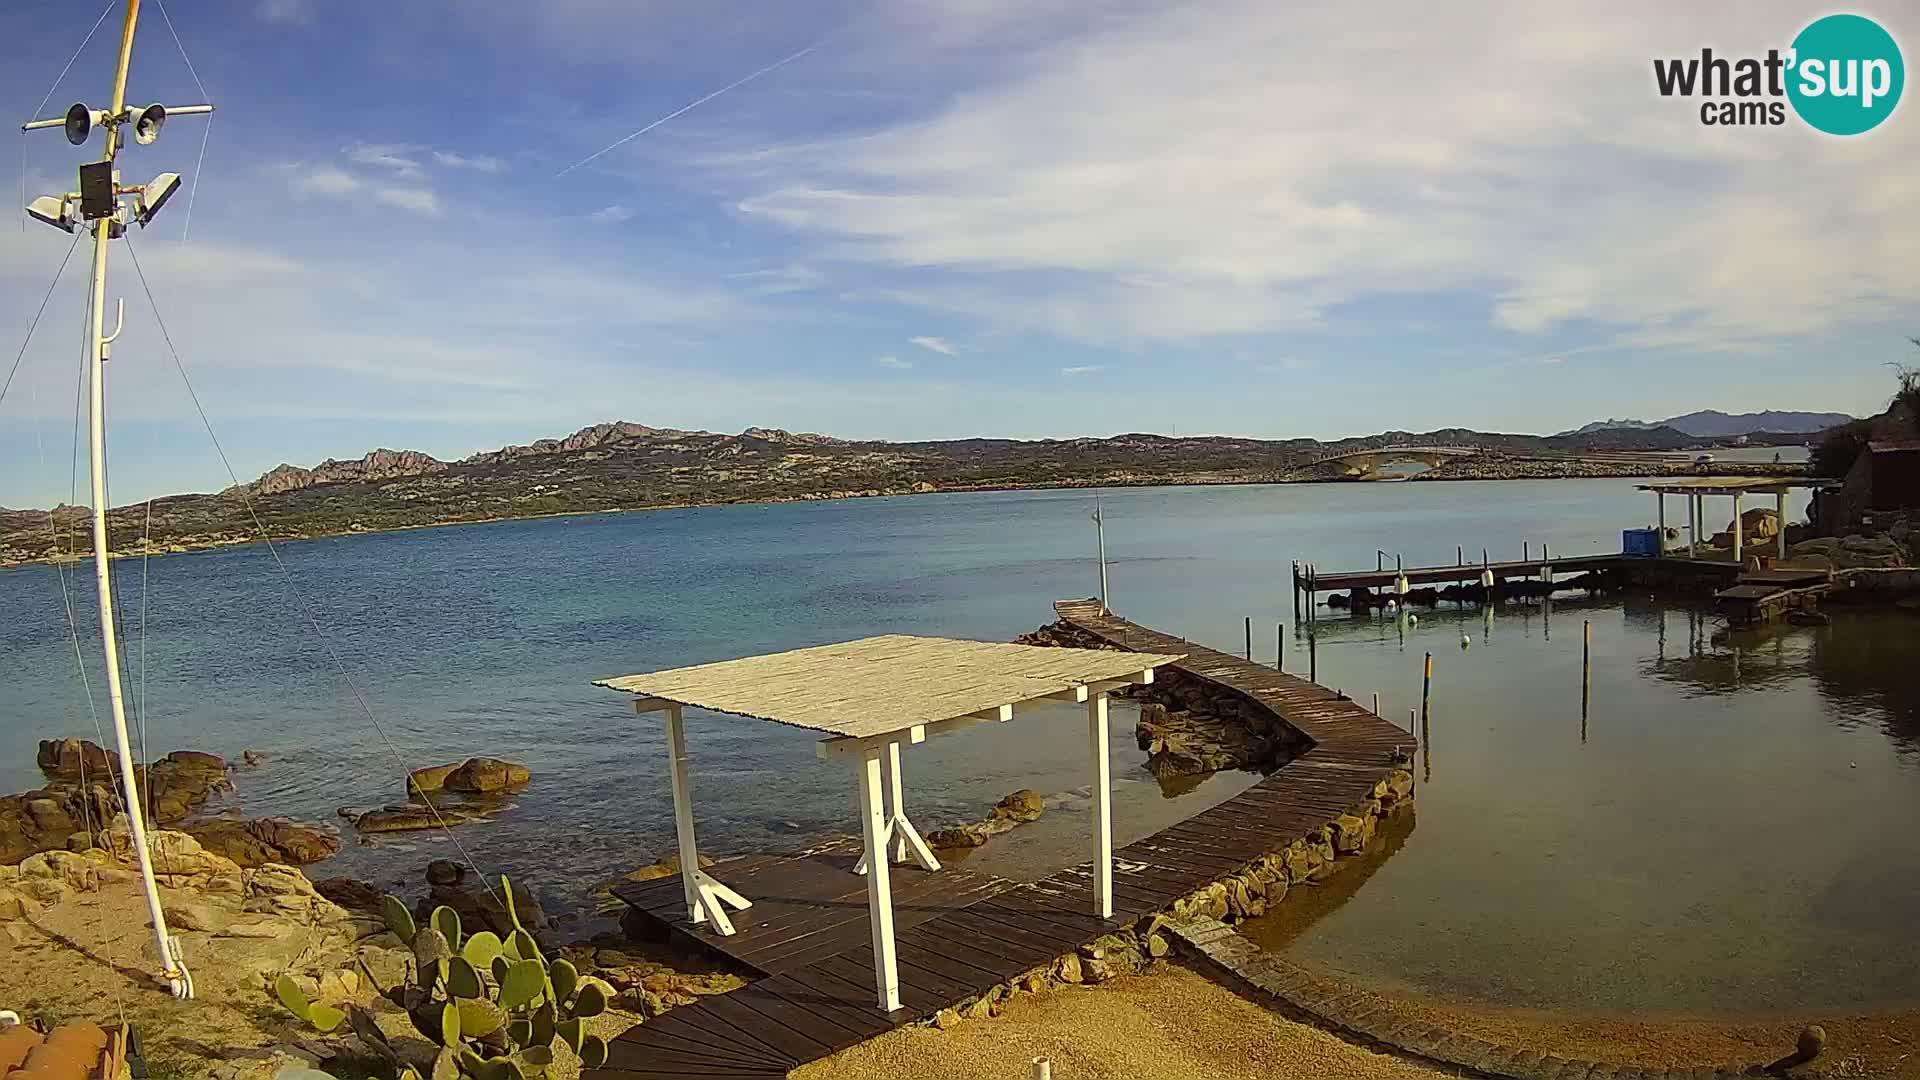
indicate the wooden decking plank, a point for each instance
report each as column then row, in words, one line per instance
column 1038, row 938
column 794, row 1046
column 857, row 967
column 995, row 964
column 814, row 1024
column 694, row 1032
column 955, row 931
column 819, row 993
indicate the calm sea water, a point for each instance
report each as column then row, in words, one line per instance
column 1792, row 772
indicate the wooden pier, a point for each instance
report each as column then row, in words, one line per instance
column 1759, row 596
column 961, row 933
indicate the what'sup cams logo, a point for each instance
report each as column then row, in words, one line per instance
column 1842, row 75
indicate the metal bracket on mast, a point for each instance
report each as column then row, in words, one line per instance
column 119, row 324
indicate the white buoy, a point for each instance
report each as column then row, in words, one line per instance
column 1413, row 620
column 1466, row 642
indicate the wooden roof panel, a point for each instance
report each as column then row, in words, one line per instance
column 880, row 685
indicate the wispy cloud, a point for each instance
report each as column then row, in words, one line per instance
column 285, row 11
column 322, row 181
column 417, row 200
column 934, row 344
column 1082, row 369
column 791, row 278
column 894, row 362
column 611, row 215
column 399, row 158
column 478, row 163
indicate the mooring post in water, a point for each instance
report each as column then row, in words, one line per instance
column 1100, row 532
column 1526, row 551
column 1296, row 590
column 1313, row 655
column 1426, row 686
column 1249, row 639
column 1279, row 646
column 1376, row 703
column 1586, row 660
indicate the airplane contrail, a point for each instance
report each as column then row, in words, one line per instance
column 690, row 106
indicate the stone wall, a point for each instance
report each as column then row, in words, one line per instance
column 1257, row 888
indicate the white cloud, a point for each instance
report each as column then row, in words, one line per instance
column 417, row 200
column 328, row 181
column 894, row 362
column 396, row 157
column 791, row 278
column 479, row 163
column 934, row 344
column 1284, row 162
column 1082, row 369
column 287, row 11
column 325, row 180
column 611, row 215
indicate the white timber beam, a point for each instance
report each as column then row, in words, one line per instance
column 706, row 898
column 1736, row 529
column 873, row 828
column 644, row 705
column 1102, row 807
column 902, row 841
column 855, row 748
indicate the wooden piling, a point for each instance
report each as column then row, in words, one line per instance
column 1296, row 590
column 1586, row 662
column 1279, row 646
column 1376, row 703
column 1526, row 551
column 1426, row 686
column 1249, row 639
column 1313, row 655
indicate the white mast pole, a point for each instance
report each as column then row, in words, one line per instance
column 175, row 971
column 1100, row 531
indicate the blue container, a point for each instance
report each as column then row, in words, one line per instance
column 1640, row 542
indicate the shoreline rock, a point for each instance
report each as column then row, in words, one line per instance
column 474, row 776
column 267, row 840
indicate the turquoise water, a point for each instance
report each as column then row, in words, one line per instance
column 483, row 640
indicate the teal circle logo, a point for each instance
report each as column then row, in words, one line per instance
column 1846, row 74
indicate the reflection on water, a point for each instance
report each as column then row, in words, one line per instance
column 1720, row 827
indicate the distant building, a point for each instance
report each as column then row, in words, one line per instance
column 1883, row 485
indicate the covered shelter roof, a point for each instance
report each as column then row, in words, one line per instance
column 870, row 697
column 882, row 685
column 1731, row 485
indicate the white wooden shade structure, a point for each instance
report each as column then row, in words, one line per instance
column 1696, row 490
column 871, row 697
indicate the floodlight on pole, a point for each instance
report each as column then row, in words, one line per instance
column 154, row 196
column 53, row 211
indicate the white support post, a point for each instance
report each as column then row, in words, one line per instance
column 1736, row 529
column 873, row 827
column 683, row 812
column 1102, row 807
column 1780, row 519
column 896, row 805
column 903, row 841
column 1660, row 520
column 1693, row 525
column 707, row 899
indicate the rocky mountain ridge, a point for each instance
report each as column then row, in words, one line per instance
column 1714, row 424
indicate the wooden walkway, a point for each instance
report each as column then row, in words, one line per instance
column 960, row 933
column 1315, row 582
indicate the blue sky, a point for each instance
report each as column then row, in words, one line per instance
column 949, row 218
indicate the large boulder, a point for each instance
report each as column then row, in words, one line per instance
column 414, row 817
column 1022, row 806
column 487, row 776
column 480, row 908
column 430, row 779
column 268, row 840
column 70, row 759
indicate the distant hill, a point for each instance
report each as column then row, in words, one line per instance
column 630, row 466
column 1714, row 424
